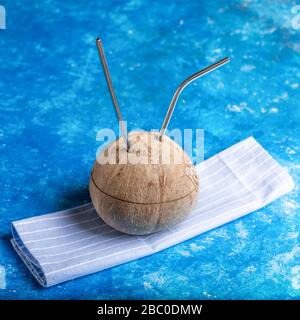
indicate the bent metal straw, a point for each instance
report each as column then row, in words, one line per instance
column 174, row 100
column 184, row 84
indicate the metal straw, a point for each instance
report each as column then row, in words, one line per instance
column 185, row 83
column 111, row 91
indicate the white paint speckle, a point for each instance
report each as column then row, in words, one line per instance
column 218, row 50
column 250, row 269
column 195, row 248
column 295, row 46
column 185, row 253
column 206, row 294
column 280, row 268
column 263, row 110
column 290, row 204
column 265, row 218
column 157, row 278
column 286, row 257
column 209, row 20
column 292, row 235
column 273, row 110
column 290, row 150
column 247, row 67
column 220, row 233
column 295, row 272
column 283, row 96
column 147, row 285
column 239, row 108
column 220, row 85
column 2, row 277
column 268, row 31
column 241, row 230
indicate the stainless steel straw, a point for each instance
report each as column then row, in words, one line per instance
column 112, row 92
column 185, row 83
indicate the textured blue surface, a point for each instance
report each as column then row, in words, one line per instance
column 54, row 100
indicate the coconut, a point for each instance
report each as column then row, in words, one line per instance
column 149, row 187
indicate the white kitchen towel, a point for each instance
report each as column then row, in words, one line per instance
column 68, row 244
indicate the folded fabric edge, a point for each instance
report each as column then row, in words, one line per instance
column 31, row 263
column 291, row 183
column 39, row 275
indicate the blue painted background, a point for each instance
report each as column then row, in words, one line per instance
column 53, row 100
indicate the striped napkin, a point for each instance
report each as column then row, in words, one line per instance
column 68, row 244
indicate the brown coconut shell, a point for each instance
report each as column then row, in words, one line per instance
column 146, row 189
